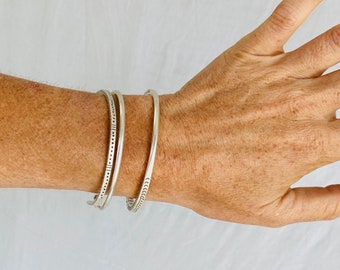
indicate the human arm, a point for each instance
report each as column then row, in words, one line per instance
column 232, row 141
column 52, row 137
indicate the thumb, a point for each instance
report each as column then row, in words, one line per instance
column 310, row 204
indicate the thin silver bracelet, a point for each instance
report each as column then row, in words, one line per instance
column 135, row 204
column 120, row 145
column 97, row 200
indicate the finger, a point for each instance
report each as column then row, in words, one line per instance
column 310, row 204
column 269, row 37
column 314, row 98
column 326, row 91
column 315, row 57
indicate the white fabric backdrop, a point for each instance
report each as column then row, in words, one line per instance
column 132, row 46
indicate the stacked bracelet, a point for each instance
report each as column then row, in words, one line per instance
column 135, row 204
column 115, row 154
column 119, row 153
column 97, row 200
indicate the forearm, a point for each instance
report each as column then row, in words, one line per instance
column 57, row 138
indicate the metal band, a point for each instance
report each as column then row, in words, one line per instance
column 135, row 204
column 119, row 153
column 97, row 200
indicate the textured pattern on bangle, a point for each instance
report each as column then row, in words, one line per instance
column 135, row 204
column 120, row 145
column 97, row 200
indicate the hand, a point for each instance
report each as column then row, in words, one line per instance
column 252, row 123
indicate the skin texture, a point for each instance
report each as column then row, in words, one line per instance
column 256, row 120
column 57, row 138
column 232, row 141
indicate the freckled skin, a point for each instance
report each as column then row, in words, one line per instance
column 255, row 121
column 232, row 141
column 57, row 138
column 35, row 87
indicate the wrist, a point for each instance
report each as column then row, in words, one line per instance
column 138, row 132
column 137, row 142
column 138, row 137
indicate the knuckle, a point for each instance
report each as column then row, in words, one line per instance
column 316, row 139
column 294, row 104
column 334, row 36
column 331, row 212
column 236, row 56
column 282, row 17
column 294, row 107
column 332, row 208
column 294, row 101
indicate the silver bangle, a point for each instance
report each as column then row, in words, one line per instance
column 97, row 200
column 119, row 152
column 135, row 204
